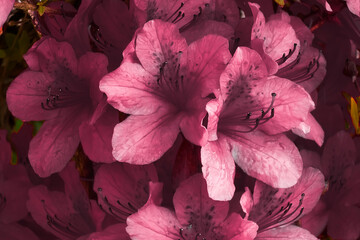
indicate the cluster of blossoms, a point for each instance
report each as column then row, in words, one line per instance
column 179, row 119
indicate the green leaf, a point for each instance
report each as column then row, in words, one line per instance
column 18, row 125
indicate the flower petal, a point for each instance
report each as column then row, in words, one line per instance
column 193, row 205
column 127, row 89
column 285, row 233
column 218, row 169
column 144, row 139
column 53, row 146
column 153, row 222
column 158, row 42
column 272, row 159
column 123, row 188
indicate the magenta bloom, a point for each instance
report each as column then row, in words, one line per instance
column 273, row 210
column 285, row 44
column 123, row 188
column 196, row 216
column 14, row 185
column 245, row 126
column 338, row 207
column 6, row 6
column 105, row 26
column 69, row 214
column 63, row 91
column 164, row 88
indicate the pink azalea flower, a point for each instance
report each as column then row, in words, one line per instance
column 273, row 210
column 245, row 125
column 122, row 188
column 283, row 42
column 194, row 19
column 165, row 91
column 6, row 6
column 338, row 206
column 69, row 214
column 196, row 216
column 108, row 24
column 14, row 185
column 62, row 90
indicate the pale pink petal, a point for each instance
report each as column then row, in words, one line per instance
column 127, row 89
column 354, row 6
column 6, row 6
column 206, row 60
column 158, row 42
column 344, row 223
column 16, row 232
column 310, row 129
column 192, row 128
column 144, row 139
column 259, row 20
column 274, row 160
column 193, row 205
column 272, row 66
column 123, row 188
column 286, row 233
column 218, row 168
column 279, row 37
column 237, row 228
column 53, row 146
column 316, row 221
column 246, row 202
column 153, row 222
column 291, row 104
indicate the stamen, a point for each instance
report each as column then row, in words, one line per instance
column 193, row 21
column 60, row 226
column 282, row 217
column 302, row 74
column 286, row 57
column 121, row 211
column 248, row 121
column 177, row 10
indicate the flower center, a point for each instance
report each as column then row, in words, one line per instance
column 62, row 225
column 285, row 57
column 61, row 95
column 234, row 124
column 120, row 211
column 284, row 215
column 301, row 74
